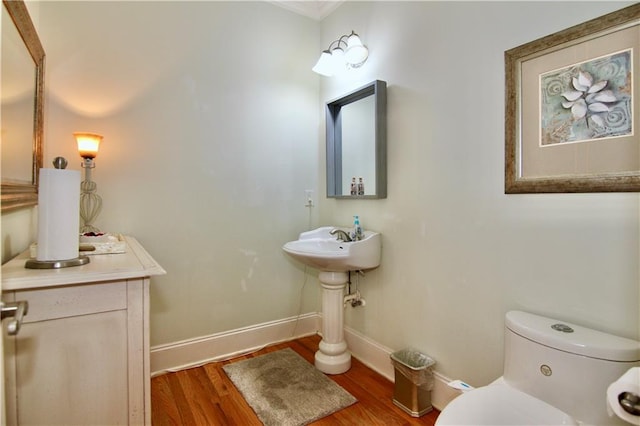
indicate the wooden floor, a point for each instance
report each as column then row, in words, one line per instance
column 205, row 395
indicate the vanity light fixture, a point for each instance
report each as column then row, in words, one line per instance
column 90, row 202
column 344, row 53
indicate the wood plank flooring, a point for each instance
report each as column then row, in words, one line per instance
column 205, row 395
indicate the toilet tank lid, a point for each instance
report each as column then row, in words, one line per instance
column 580, row 341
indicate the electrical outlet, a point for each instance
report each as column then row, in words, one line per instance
column 308, row 198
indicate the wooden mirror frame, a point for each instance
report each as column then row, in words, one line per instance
column 20, row 195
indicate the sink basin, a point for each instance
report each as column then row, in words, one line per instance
column 321, row 250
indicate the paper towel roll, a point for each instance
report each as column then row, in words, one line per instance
column 628, row 382
column 58, row 214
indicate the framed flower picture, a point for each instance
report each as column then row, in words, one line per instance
column 572, row 113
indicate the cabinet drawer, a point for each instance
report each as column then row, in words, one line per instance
column 69, row 301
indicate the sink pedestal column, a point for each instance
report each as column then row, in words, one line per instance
column 333, row 356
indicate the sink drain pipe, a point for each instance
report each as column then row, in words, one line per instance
column 354, row 298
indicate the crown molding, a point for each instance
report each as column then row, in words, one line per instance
column 314, row 9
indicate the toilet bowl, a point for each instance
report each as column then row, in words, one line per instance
column 500, row 404
column 555, row 373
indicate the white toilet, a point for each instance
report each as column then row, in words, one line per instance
column 555, row 373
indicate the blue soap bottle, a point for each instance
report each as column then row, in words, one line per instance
column 357, row 229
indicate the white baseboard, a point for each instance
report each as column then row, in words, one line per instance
column 216, row 347
column 370, row 353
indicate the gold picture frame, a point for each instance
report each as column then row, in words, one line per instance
column 16, row 194
column 572, row 110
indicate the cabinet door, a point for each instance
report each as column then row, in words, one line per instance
column 69, row 363
column 73, row 370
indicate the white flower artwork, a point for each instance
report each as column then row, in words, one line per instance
column 587, row 101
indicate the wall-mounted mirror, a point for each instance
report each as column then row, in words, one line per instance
column 22, row 107
column 357, row 143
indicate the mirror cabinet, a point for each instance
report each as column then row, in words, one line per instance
column 357, row 143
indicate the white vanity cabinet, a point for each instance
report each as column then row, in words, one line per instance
column 81, row 356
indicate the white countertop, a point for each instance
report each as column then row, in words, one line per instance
column 134, row 263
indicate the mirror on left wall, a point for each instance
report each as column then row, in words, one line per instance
column 21, row 107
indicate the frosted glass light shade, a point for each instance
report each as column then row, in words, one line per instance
column 88, row 144
column 339, row 61
column 356, row 53
column 337, row 54
column 353, row 40
column 324, row 66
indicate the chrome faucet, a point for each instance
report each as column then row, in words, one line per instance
column 342, row 236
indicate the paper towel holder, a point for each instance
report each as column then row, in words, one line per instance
column 58, row 163
column 56, row 264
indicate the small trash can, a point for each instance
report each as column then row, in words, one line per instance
column 414, row 381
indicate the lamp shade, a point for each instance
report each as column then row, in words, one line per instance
column 88, row 144
column 356, row 53
column 338, row 57
column 324, row 66
column 354, row 40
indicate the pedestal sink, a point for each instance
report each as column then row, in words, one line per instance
column 334, row 259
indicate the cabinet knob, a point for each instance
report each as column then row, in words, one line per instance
column 15, row 310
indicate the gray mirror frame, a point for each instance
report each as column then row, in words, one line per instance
column 20, row 195
column 378, row 89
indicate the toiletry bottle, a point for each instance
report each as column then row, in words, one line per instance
column 357, row 229
column 354, row 186
column 360, row 188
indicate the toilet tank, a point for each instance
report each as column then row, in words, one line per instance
column 566, row 365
